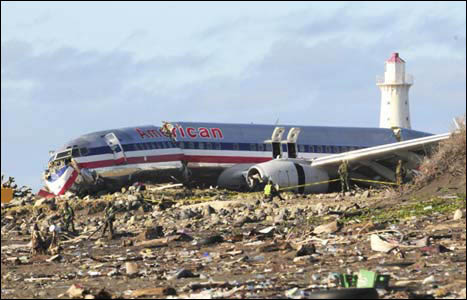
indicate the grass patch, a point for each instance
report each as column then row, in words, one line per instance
column 421, row 208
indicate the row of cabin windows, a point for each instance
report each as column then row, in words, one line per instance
column 237, row 146
column 153, row 145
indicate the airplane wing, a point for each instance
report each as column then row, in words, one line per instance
column 380, row 161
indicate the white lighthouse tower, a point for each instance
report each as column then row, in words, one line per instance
column 395, row 94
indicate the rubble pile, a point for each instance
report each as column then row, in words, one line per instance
column 189, row 243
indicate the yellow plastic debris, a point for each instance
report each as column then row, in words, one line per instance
column 7, row 195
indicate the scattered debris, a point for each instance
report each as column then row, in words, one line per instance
column 209, row 243
column 327, row 228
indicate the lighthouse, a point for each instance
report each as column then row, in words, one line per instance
column 394, row 88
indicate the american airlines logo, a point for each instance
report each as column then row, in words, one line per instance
column 191, row 132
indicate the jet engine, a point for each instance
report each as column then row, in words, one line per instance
column 288, row 173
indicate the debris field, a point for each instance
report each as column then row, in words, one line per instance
column 173, row 242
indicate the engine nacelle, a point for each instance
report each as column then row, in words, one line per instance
column 288, row 173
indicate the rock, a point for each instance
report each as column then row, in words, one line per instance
column 76, row 291
column 303, row 259
column 327, row 228
column 366, row 194
column 282, row 216
column 304, row 250
column 131, row 268
column 184, row 273
column 187, row 214
column 208, row 210
column 242, row 220
column 458, row 215
column 211, row 240
column 151, row 233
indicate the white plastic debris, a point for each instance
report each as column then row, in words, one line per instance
column 378, row 244
column 429, row 280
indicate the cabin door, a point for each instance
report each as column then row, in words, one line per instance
column 116, row 147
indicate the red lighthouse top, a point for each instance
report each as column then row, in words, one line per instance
column 395, row 58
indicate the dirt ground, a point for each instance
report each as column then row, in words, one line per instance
column 244, row 247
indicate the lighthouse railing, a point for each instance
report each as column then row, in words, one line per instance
column 380, row 79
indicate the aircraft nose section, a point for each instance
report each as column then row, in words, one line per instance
column 61, row 180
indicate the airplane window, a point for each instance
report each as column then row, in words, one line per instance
column 208, row 146
column 191, row 145
column 344, row 149
column 181, row 145
column 328, row 149
column 301, row 148
column 253, row 147
column 218, row 146
column 75, row 152
column 319, row 149
column 236, row 146
column 268, row 147
column 83, row 151
column 334, row 149
column 163, row 145
column 201, row 145
column 260, row 147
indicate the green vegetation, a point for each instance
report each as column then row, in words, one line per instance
column 418, row 209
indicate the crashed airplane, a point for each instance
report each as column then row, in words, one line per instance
column 236, row 156
column 243, row 156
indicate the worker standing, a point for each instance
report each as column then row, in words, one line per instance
column 54, row 247
column 271, row 190
column 37, row 241
column 68, row 217
column 344, row 176
column 400, row 172
column 109, row 218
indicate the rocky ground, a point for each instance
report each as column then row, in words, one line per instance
column 179, row 243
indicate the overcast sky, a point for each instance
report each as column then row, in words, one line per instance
column 69, row 68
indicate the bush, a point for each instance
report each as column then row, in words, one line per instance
column 448, row 158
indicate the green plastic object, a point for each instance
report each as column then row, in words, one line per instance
column 366, row 279
column 369, row 279
column 348, row 281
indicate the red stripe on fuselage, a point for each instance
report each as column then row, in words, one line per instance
column 175, row 157
column 69, row 183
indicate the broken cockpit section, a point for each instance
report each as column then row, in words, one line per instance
column 64, row 174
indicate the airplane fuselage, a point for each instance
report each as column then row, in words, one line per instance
column 206, row 147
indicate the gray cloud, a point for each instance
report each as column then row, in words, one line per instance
column 68, row 74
